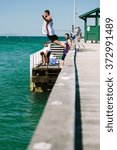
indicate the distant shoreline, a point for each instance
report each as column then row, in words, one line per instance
column 23, row 36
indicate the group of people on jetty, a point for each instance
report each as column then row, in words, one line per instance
column 53, row 38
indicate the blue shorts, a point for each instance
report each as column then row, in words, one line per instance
column 63, row 57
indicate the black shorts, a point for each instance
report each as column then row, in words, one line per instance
column 63, row 57
column 52, row 38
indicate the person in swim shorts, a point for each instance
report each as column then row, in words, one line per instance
column 68, row 46
column 49, row 30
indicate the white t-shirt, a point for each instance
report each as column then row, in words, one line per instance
column 46, row 49
column 44, row 31
column 50, row 28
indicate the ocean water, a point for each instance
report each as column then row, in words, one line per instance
column 20, row 110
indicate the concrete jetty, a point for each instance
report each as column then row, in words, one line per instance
column 71, row 117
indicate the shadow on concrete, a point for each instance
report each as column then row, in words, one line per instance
column 85, row 50
column 78, row 122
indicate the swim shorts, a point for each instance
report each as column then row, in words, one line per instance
column 52, row 38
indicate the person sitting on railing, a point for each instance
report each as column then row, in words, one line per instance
column 45, row 54
column 68, row 46
column 48, row 29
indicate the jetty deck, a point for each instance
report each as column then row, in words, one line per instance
column 88, row 71
column 71, row 117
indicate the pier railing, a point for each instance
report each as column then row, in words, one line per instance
column 35, row 60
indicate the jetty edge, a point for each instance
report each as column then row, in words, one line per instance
column 56, row 127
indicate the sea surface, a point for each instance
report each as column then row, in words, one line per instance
column 20, row 110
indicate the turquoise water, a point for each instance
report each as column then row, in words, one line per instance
column 20, row 110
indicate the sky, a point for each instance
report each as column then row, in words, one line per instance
column 24, row 17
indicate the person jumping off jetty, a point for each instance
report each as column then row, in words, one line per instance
column 48, row 29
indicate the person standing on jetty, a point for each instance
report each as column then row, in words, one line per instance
column 48, row 29
column 68, row 46
column 78, row 36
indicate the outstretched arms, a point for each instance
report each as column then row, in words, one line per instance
column 48, row 19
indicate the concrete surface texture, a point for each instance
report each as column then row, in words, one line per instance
column 88, row 67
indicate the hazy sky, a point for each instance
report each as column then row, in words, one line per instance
column 24, row 17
